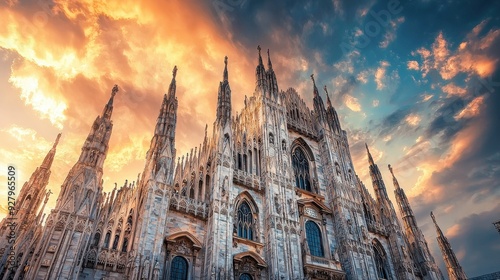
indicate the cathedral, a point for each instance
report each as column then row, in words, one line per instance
column 271, row 193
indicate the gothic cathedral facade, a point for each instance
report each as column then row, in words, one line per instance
column 271, row 194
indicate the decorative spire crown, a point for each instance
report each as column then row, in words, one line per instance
column 370, row 159
column 328, row 102
column 113, row 93
column 269, row 64
column 260, row 57
column 394, row 180
column 172, row 87
column 225, row 69
column 57, row 141
column 314, row 83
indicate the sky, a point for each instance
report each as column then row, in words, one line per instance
column 418, row 81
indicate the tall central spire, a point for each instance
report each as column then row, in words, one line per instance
column 260, row 77
column 224, row 99
column 455, row 271
column 172, row 87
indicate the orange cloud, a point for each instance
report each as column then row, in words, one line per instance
column 452, row 89
column 70, row 55
column 470, row 57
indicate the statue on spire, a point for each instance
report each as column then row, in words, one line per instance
column 114, row 91
column 174, row 72
column 47, row 194
column 312, row 78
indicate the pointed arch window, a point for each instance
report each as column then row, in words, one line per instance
column 314, row 241
column 106, row 239
column 191, row 192
column 125, row 244
column 245, row 222
column 115, row 242
column 380, row 263
column 97, row 237
column 300, row 165
column 179, row 269
column 245, row 276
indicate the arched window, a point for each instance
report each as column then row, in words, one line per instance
column 106, row 239
column 179, row 269
column 200, row 190
column 245, row 276
column 191, row 192
column 245, row 221
column 115, row 242
column 97, row 237
column 313, row 235
column 301, row 168
column 380, row 263
column 125, row 244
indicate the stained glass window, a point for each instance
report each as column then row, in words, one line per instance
column 179, row 269
column 313, row 235
column 245, row 221
column 300, row 166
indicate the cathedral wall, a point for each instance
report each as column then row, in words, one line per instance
column 178, row 222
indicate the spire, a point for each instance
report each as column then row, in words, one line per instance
column 165, row 124
column 319, row 106
column 108, row 109
column 328, row 102
column 225, row 77
column 260, row 77
column 370, row 159
column 455, row 271
column 49, row 158
column 269, row 64
column 172, row 87
column 224, row 99
column 438, row 229
column 394, row 180
column 316, row 93
column 260, row 57
column 420, row 249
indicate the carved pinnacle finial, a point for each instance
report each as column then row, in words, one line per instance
column 114, row 90
column 174, row 72
column 225, row 60
column 57, row 140
column 390, row 169
column 258, row 48
column 433, row 218
column 312, row 78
